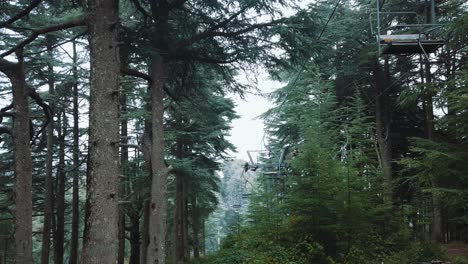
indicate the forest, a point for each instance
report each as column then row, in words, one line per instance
column 115, row 120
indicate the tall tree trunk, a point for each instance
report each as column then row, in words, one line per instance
column 146, row 150
column 5, row 250
column 22, row 212
column 144, row 233
column 203, row 238
column 185, row 220
column 382, row 120
column 76, row 164
column 179, row 219
column 159, row 171
column 101, row 236
column 134, row 240
column 49, row 185
column 123, row 181
column 181, row 236
column 59, row 234
column 436, row 226
column 195, row 228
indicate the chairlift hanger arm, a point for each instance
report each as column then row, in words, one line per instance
column 250, row 157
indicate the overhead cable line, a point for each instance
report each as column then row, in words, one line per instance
column 329, row 18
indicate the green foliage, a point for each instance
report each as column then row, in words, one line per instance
column 418, row 252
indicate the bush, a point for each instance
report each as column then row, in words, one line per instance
column 418, row 252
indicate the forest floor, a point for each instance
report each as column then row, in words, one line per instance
column 457, row 249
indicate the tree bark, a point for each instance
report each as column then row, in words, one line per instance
column 185, row 220
column 101, row 236
column 123, row 181
column 179, row 221
column 382, row 120
column 125, row 171
column 134, row 240
column 436, row 226
column 144, row 233
column 195, row 228
column 59, row 234
column 159, row 171
column 203, row 238
column 49, row 185
column 22, row 211
column 76, row 164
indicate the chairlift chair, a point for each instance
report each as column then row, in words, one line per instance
column 394, row 39
column 408, row 44
column 246, row 195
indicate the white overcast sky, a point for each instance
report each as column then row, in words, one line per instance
column 248, row 130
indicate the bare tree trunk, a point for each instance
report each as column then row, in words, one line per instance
column 185, row 221
column 76, row 164
column 146, row 150
column 134, row 240
column 144, row 233
column 123, row 181
column 49, row 185
column 179, row 221
column 5, row 250
column 203, row 240
column 382, row 120
column 436, row 228
column 101, row 236
column 195, row 228
column 181, row 236
column 22, row 212
column 159, row 171
column 59, row 235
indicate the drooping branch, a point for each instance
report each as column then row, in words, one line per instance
column 138, row 147
column 6, row 108
column 213, row 32
column 7, row 66
column 140, row 8
column 4, row 113
column 37, row 32
column 59, row 44
column 4, row 130
column 45, row 108
column 135, row 73
column 21, row 14
column 204, row 59
column 177, row 3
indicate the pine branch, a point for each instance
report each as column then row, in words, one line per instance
column 140, row 8
column 214, row 33
column 21, row 14
column 6, row 108
column 5, row 130
column 177, row 3
column 37, row 32
column 45, row 108
column 7, row 66
column 135, row 73
column 193, row 57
